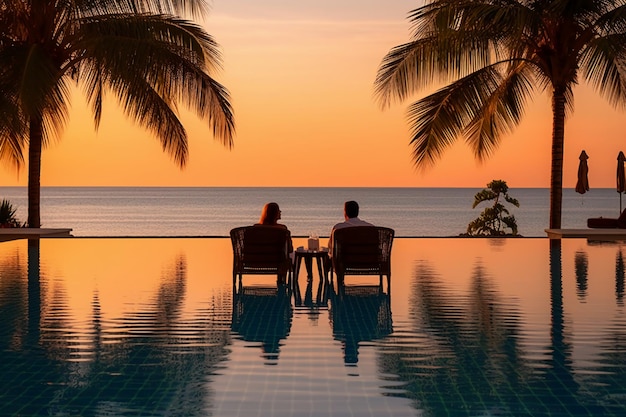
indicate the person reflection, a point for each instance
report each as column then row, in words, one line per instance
column 359, row 314
column 263, row 315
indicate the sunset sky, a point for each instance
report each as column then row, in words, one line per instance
column 301, row 77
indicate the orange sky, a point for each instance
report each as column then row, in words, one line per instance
column 301, row 78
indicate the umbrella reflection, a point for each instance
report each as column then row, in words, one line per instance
column 621, row 177
column 581, row 266
column 619, row 278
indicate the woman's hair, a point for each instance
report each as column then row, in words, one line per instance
column 270, row 214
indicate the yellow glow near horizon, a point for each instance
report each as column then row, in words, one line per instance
column 301, row 82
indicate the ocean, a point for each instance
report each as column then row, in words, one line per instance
column 213, row 211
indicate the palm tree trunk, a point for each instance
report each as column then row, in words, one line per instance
column 34, row 172
column 556, row 175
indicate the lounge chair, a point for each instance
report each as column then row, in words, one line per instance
column 261, row 250
column 362, row 250
column 607, row 222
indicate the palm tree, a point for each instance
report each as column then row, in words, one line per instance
column 141, row 51
column 493, row 55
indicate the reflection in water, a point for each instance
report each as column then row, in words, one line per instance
column 321, row 297
column 469, row 349
column 34, row 290
column 619, row 278
column 498, row 332
column 559, row 374
column 13, row 303
column 151, row 361
column 359, row 314
column 581, row 265
column 262, row 314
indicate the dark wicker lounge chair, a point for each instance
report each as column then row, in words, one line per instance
column 362, row 250
column 261, row 250
column 607, row 222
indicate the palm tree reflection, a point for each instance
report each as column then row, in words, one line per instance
column 151, row 361
column 559, row 375
column 468, row 348
column 14, row 305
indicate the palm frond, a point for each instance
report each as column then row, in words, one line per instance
column 191, row 8
column 450, row 39
column 614, row 19
column 94, row 92
column 436, row 122
column 503, row 100
column 13, row 135
column 40, row 90
column 479, row 105
column 405, row 70
column 170, row 55
column 146, row 107
column 602, row 65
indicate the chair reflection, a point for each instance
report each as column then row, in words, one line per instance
column 359, row 314
column 263, row 314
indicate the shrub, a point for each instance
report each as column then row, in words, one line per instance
column 495, row 219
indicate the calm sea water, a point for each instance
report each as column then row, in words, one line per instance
column 155, row 211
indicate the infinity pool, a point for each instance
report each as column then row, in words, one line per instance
column 469, row 327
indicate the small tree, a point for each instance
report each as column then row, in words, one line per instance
column 493, row 220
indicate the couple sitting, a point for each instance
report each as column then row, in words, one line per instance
column 271, row 214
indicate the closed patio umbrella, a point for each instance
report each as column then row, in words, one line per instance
column 582, row 186
column 621, row 177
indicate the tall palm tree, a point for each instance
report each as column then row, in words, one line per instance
column 494, row 55
column 140, row 51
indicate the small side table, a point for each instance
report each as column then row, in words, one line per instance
column 321, row 256
column 323, row 260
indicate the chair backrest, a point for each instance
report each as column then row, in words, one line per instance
column 362, row 250
column 260, row 249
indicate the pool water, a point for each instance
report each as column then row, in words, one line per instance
column 469, row 327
